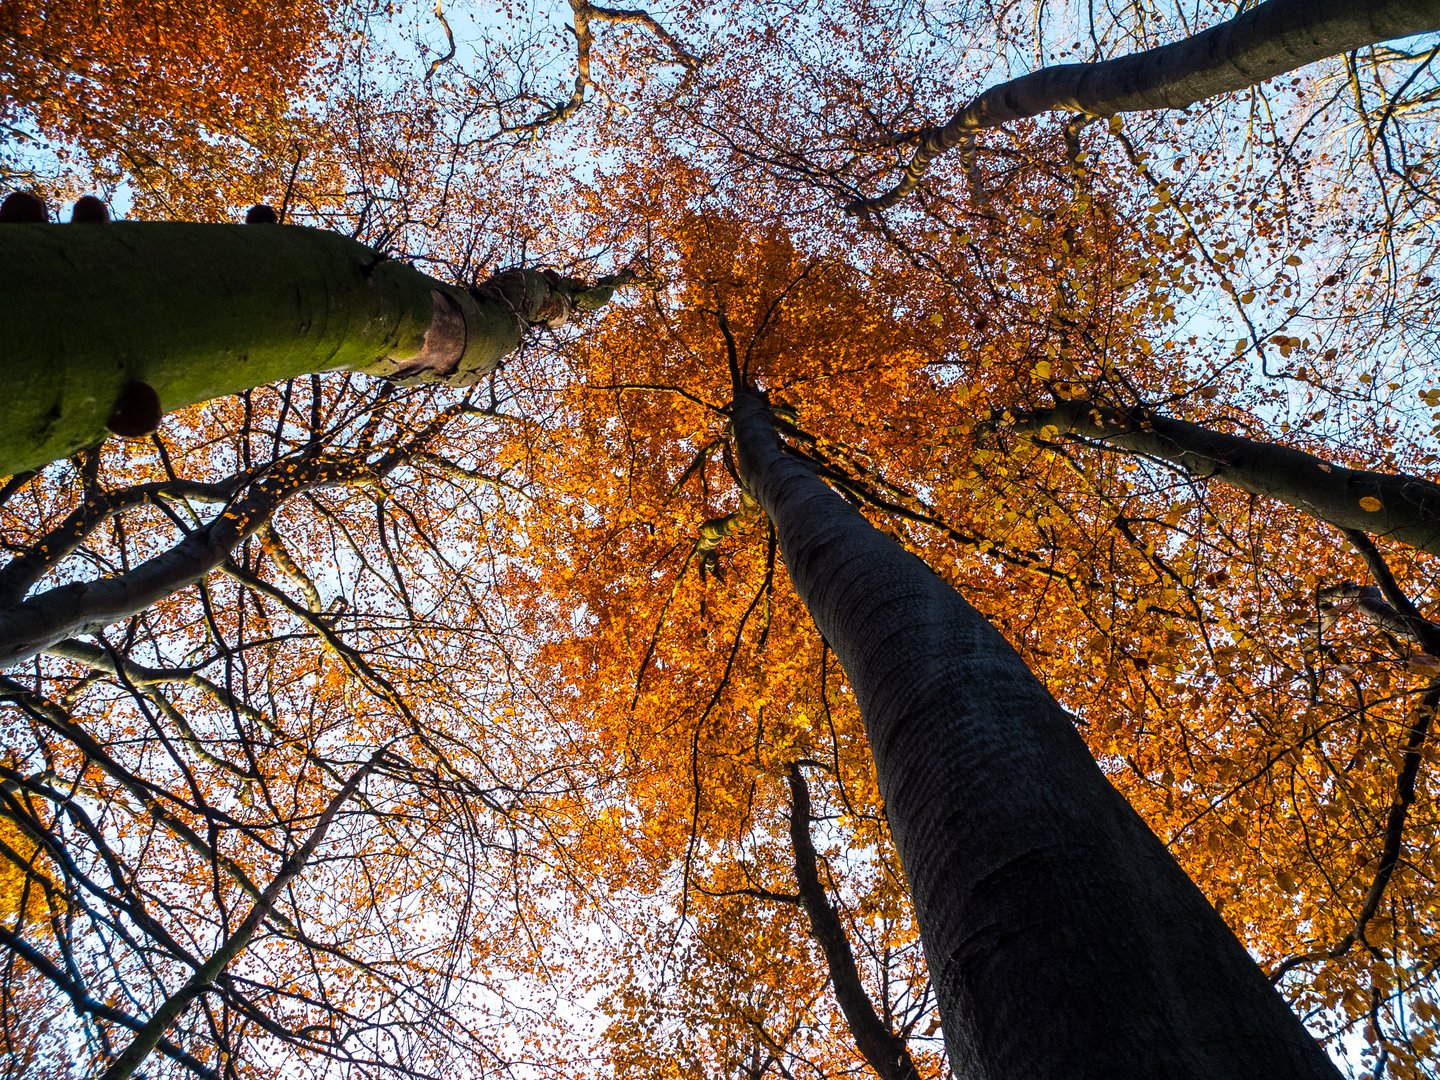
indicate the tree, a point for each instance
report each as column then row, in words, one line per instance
column 262, row 304
column 1009, row 833
column 189, row 760
column 647, row 429
column 1137, row 596
column 1269, row 39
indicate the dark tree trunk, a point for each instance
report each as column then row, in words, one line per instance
column 1062, row 938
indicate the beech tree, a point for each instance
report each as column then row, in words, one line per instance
column 1009, row 832
column 262, row 304
column 630, row 525
column 653, row 558
column 1269, row 39
column 239, row 794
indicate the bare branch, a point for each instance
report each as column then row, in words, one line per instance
column 1267, row 40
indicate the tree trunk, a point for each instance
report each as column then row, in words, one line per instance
column 1393, row 505
column 108, row 326
column 883, row 1048
column 1062, row 938
column 1267, row 40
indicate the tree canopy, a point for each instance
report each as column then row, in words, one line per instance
column 395, row 728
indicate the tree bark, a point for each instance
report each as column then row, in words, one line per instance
column 1267, row 40
column 83, row 606
column 1393, row 505
column 109, row 326
column 1062, row 938
column 20, row 574
column 882, row 1048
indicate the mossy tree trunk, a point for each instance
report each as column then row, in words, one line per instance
column 108, row 326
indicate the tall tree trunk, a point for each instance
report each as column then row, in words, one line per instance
column 883, row 1048
column 108, row 326
column 1393, row 505
column 1062, row 938
column 1267, row 40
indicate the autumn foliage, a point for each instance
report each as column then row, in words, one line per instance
column 171, row 96
column 532, row 647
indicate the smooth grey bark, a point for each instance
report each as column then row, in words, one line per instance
column 81, row 607
column 1405, row 508
column 1267, row 40
column 1062, row 937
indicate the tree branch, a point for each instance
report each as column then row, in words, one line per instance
column 881, row 1047
column 154, row 1029
column 1394, row 505
column 84, row 1004
column 1267, row 40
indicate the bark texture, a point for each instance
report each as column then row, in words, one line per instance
column 1267, row 40
column 108, row 326
column 1396, row 506
column 1063, row 939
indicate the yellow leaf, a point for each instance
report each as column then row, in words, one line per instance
column 1370, row 503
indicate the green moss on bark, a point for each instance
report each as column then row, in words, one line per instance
column 200, row 311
